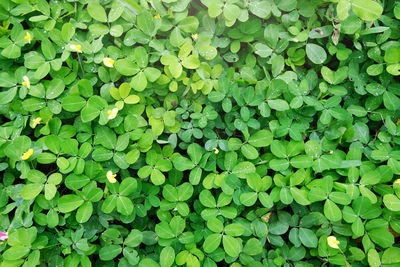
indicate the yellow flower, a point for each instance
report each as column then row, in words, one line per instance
column 112, row 113
column 111, row 177
column 333, row 242
column 398, row 121
column 36, row 122
column 195, row 36
column 26, row 82
column 216, row 151
column 157, row 16
column 28, row 37
column 397, row 182
column 27, row 154
column 76, row 48
column 108, row 62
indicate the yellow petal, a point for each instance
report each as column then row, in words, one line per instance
column 26, row 82
column 108, row 62
column 111, row 177
column 112, row 113
column 216, row 151
column 397, row 181
column 157, row 16
column 27, row 154
column 76, row 48
column 36, row 122
column 333, row 242
column 28, row 37
column 195, row 36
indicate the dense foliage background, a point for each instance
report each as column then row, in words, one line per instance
column 199, row 133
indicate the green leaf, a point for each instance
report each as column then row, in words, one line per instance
column 30, row 191
column 191, row 62
column 145, row 23
column 315, row 53
column 261, row 49
column 73, row 103
column 342, row 9
column 11, row 51
column 212, row 242
column 390, row 256
column 366, row 9
column 261, row 138
column 308, row 238
column 278, row 63
column 253, row 247
column 109, row 252
column 332, row 211
column 126, row 67
column 84, row 212
column 248, row 199
column 374, row 259
column 300, row 196
column 167, row 257
column 195, row 152
column 127, row 186
column 234, row 229
column 249, row 151
column 157, row 177
column 243, row 168
column 134, row 238
column 215, row 225
column 260, row 8
column 139, row 82
column 141, row 56
column 7, row 80
column 68, row 203
column 96, row 11
column 278, row 104
column 124, row 205
column 391, row 101
column 382, row 237
column 15, row 253
column 55, row 88
column 189, row 24
column 183, row 164
column 89, row 113
column 231, row 245
column 7, row 96
column 392, row 202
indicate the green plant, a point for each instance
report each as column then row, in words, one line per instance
column 199, row 133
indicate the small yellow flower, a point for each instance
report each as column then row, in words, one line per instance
column 108, row 62
column 76, row 48
column 157, row 16
column 28, row 37
column 27, row 154
column 216, row 151
column 112, row 113
column 195, row 36
column 398, row 122
column 333, row 242
column 111, row 177
column 397, row 182
column 36, row 122
column 26, row 82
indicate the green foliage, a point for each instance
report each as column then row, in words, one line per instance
column 200, row 133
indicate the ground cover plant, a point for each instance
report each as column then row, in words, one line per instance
column 199, row 133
